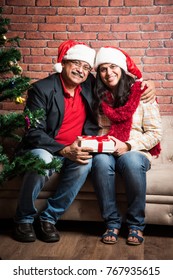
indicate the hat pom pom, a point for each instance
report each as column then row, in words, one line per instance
column 57, row 67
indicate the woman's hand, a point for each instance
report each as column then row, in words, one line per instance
column 120, row 147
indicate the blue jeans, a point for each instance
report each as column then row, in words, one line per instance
column 72, row 177
column 133, row 167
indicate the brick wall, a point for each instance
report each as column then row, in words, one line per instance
column 144, row 28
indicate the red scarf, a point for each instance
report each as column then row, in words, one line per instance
column 121, row 118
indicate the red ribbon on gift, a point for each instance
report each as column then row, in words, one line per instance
column 100, row 140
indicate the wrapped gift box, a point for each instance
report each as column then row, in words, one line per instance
column 99, row 144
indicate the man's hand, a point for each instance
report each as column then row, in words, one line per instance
column 149, row 95
column 76, row 153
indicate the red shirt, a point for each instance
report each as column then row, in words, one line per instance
column 74, row 117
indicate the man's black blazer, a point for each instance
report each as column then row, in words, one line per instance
column 48, row 94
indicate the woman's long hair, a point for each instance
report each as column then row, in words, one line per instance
column 118, row 97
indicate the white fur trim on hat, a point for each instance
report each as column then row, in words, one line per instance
column 81, row 52
column 57, row 67
column 110, row 55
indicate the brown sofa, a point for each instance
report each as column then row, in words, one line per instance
column 159, row 198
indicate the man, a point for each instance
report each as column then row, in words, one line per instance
column 67, row 99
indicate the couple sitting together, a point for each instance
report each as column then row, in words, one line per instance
column 115, row 103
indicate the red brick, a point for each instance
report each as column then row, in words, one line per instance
column 92, row 11
column 156, row 35
column 169, row 44
column 133, row 19
column 19, row 10
column 169, row 76
column 161, row 18
column 152, row 60
column 125, row 27
column 36, row 75
column 24, row 26
column 134, row 36
column 99, row 3
column 158, row 68
column 147, row 27
column 44, row 3
column 154, row 76
column 2, row 3
column 20, row 2
column 38, row 19
column 34, row 67
column 25, row 51
column 111, row 36
column 134, row 44
column 37, row 51
column 111, row 20
column 164, row 92
column 115, row 11
column 167, row 108
column 39, row 35
column 167, row 84
column 145, row 10
column 12, row 34
column 138, row 3
column 33, row 43
column 52, row 27
column 71, row 11
column 7, row 10
column 89, row 19
column 51, row 51
column 37, row 59
column 159, row 52
column 164, row 99
column 116, row 3
column 66, row 3
column 11, row 106
column 156, row 44
column 23, row 18
column 96, row 27
column 74, row 27
column 41, row 11
column 60, row 19
column 61, row 36
column 167, row 10
column 163, row 2
column 164, row 27
column 82, row 36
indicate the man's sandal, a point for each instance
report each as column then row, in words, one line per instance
column 110, row 233
column 134, row 233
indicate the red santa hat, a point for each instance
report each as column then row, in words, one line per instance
column 72, row 50
column 119, row 57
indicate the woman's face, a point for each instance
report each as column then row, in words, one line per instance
column 110, row 74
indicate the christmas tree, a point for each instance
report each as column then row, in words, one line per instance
column 13, row 86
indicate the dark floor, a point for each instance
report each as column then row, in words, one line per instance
column 81, row 240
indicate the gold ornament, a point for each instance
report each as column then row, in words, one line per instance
column 20, row 99
column 3, row 39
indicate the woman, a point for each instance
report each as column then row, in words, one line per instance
column 135, row 128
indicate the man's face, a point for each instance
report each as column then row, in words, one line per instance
column 75, row 72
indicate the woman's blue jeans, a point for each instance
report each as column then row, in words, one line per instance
column 72, row 177
column 132, row 166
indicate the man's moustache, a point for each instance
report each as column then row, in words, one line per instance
column 77, row 74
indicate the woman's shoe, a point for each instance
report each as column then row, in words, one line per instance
column 110, row 233
column 137, row 239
